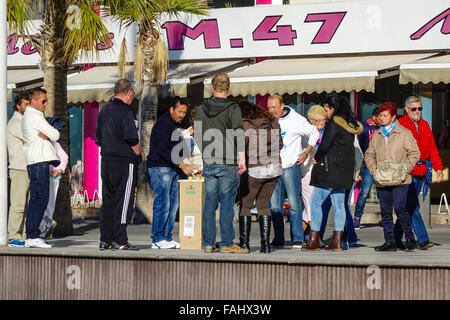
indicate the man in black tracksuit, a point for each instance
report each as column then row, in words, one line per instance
column 117, row 135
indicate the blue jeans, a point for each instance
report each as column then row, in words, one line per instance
column 413, row 208
column 164, row 183
column 366, row 184
column 349, row 230
column 39, row 191
column 318, row 197
column 291, row 182
column 221, row 183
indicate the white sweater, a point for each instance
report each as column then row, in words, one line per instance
column 35, row 148
column 294, row 127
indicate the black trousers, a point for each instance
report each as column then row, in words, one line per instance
column 119, row 181
column 395, row 197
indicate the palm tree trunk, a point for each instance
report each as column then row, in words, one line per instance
column 55, row 82
column 147, row 106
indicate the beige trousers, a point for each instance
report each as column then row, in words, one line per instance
column 20, row 185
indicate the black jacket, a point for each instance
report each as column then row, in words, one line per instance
column 164, row 138
column 335, row 156
column 117, row 132
column 220, row 115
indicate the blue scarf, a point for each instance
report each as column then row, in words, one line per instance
column 387, row 130
column 319, row 141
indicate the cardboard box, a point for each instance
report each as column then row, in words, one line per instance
column 192, row 198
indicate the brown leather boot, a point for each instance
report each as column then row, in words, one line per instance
column 336, row 241
column 313, row 243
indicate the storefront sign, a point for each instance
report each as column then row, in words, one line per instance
column 311, row 29
column 365, row 26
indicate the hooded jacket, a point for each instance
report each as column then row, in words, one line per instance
column 219, row 121
column 336, row 155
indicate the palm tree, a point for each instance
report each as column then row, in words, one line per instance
column 69, row 28
column 150, row 66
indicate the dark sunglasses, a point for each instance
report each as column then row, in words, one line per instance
column 414, row 109
column 44, row 101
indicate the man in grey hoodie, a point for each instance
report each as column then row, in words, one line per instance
column 219, row 134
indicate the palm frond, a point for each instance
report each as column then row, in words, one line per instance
column 19, row 14
column 123, row 58
column 160, row 61
column 84, row 30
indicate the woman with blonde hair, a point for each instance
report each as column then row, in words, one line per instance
column 317, row 116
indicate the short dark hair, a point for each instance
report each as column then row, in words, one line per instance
column 23, row 95
column 122, row 86
column 179, row 100
column 35, row 93
column 376, row 112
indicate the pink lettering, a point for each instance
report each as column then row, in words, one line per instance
column 176, row 30
column 107, row 45
column 331, row 22
column 445, row 25
column 284, row 34
column 12, row 41
column 28, row 48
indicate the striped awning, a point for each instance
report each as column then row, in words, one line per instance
column 298, row 75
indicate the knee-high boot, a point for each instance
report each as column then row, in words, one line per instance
column 245, row 224
column 264, row 226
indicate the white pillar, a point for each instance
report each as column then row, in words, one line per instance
column 3, row 120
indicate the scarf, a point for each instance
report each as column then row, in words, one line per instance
column 387, row 130
column 320, row 136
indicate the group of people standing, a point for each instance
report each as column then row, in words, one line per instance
column 248, row 155
column 261, row 157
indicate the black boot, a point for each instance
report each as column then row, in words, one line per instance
column 264, row 226
column 245, row 224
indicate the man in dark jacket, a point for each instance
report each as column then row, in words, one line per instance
column 117, row 136
column 219, row 134
column 164, row 166
column 369, row 127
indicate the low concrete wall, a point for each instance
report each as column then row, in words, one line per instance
column 57, row 277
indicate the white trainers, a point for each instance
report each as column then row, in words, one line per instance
column 163, row 244
column 177, row 245
column 37, row 243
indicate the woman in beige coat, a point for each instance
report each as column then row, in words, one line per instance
column 392, row 154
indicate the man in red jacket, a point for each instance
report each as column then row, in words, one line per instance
column 422, row 172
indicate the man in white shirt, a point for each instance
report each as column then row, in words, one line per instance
column 39, row 154
column 17, row 173
column 294, row 127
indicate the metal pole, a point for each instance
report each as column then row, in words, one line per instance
column 3, row 120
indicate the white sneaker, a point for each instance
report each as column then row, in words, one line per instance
column 297, row 245
column 37, row 243
column 163, row 244
column 177, row 245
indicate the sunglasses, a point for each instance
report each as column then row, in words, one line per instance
column 414, row 109
column 44, row 101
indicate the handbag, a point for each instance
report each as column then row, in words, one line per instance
column 444, row 216
column 390, row 173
